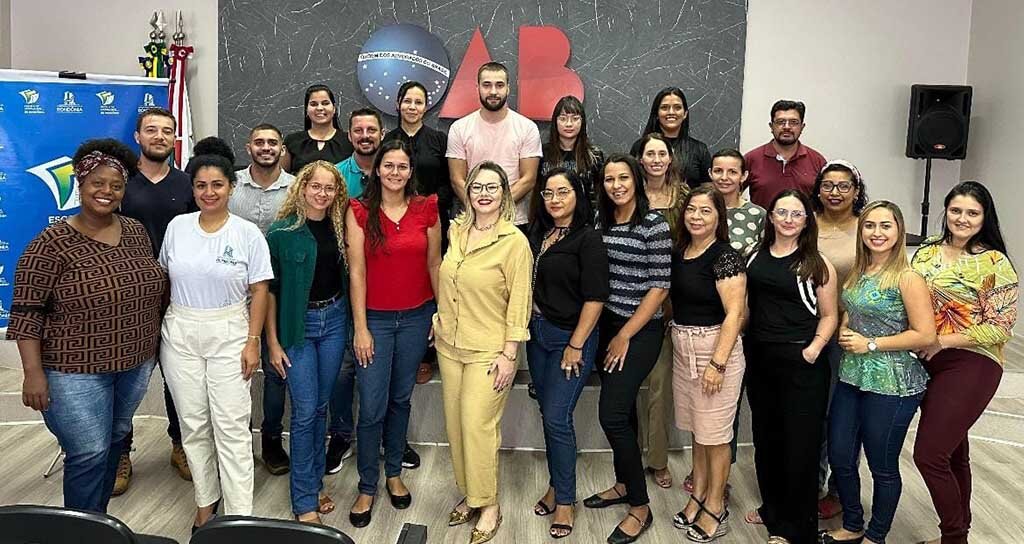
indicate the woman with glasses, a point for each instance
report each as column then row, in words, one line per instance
column 483, row 312
column 569, row 290
column 308, row 320
column 791, row 293
column 394, row 251
column 838, row 197
column 569, row 147
column 670, row 116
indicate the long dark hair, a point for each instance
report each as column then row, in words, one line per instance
column 673, row 176
column 683, row 237
column 858, row 183
column 653, row 125
column 809, row 262
column 990, row 237
column 581, row 148
column 330, row 94
column 373, row 192
column 542, row 220
column 606, row 208
column 403, row 90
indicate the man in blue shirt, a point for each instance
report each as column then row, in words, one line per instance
column 364, row 131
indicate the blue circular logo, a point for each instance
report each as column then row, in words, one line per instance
column 399, row 53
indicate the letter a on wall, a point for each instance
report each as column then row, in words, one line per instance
column 543, row 76
column 463, row 97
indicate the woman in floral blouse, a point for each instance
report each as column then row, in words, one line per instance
column 973, row 287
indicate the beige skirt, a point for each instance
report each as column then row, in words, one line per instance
column 709, row 417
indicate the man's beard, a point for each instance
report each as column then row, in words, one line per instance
column 489, row 107
column 256, row 161
column 154, row 156
column 371, row 153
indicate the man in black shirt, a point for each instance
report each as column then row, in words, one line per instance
column 154, row 196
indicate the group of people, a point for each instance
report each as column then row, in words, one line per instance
column 484, row 246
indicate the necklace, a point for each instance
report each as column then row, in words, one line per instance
column 482, row 229
column 698, row 252
column 836, row 227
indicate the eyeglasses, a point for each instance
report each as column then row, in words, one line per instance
column 328, row 189
column 391, row 167
column 782, row 123
column 796, row 215
column 479, row 188
column 843, row 187
column 569, row 119
column 562, row 194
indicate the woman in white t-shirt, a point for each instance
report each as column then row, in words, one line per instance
column 219, row 266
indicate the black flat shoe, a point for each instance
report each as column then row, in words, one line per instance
column 361, row 519
column 216, row 506
column 596, row 501
column 825, row 538
column 619, row 536
column 400, row 502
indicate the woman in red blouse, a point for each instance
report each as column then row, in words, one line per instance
column 394, row 252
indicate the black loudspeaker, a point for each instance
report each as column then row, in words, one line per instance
column 940, row 116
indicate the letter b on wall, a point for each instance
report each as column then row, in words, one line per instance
column 544, row 77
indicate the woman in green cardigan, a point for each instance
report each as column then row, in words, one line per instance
column 308, row 323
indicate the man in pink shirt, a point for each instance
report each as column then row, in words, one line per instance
column 495, row 133
column 783, row 163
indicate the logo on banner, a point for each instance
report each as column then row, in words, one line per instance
column 31, row 97
column 2, row 214
column 1, row 107
column 3, row 176
column 147, row 102
column 399, row 53
column 107, row 103
column 3, row 280
column 4, row 314
column 69, row 105
column 4, row 246
column 59, row 177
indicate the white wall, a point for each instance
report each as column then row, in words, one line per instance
column 5, row 33
column 993, row 151
column 852, row 63
column 108, row 37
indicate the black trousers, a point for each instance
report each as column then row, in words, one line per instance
column 788, row 401
column 617, row 404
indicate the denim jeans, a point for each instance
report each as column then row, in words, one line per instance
column 879, row 423
column 385, row 389
column 274, row 388
column 91, row 414
column 342, row 423
column 311, row 378
column 557, row 396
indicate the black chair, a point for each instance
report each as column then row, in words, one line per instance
column 250, row 530
column 32, row 524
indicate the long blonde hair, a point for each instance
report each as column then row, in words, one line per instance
column 895, row 265
column 508, row 206
column 295, row 203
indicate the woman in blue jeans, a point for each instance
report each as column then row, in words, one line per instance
column 569, row 289
column 308, row 320
column 394, row 252
column 881, row 381
column 86, row 316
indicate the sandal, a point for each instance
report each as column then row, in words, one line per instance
column 455, row 517
column 680, row 521
column 564, row 529
column 326, row 504
column 695, row 533
column 541, row 509
column 315, row 521
column 664, row 482
column 619, row 536
column 753, row 517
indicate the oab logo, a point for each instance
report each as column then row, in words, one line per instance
column 69, row 105
column 4, row 246
column 399, row 53
column 31, row 97
column 4, row 314
column 107, row 103
column 3, row 280
column 147, row 102
column 59, row 177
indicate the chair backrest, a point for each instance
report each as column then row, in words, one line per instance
column 32, row 524
column 250, row 530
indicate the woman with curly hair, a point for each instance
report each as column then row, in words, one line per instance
column 307, row 320
column 86, row 316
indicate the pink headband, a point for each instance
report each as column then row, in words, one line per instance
column 89, row 163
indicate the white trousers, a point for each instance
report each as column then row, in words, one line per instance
column 201, row 354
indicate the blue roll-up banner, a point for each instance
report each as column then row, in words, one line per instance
column 43, row 119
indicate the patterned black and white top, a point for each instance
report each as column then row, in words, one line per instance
column 639, row 259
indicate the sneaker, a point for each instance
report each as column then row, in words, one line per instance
column 273, row 455
column 829, row 507
column 337, row 450
column 124, row 475
column 410, row 459
column 179, row 462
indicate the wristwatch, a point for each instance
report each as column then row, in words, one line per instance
column 872, row 345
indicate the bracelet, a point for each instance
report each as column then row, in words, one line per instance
column 574, row 347
column 253, row 337
column 716, row 366
column 510, row 359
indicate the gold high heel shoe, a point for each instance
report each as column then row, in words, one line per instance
column 479, row 537
column 455, row 517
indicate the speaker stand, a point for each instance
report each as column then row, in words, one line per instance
column 917, row 239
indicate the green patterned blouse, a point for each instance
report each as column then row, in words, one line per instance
column 874, row 313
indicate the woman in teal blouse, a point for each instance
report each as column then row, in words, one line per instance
column 881, row 382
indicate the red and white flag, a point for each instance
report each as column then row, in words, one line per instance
column 177, row 99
